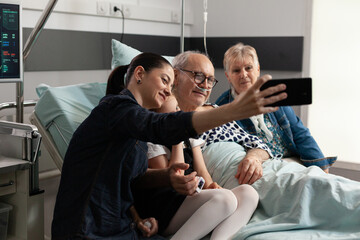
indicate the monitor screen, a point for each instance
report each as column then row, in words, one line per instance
column 10, row 42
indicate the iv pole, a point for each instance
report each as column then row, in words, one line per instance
column 182, row 26
column 28, row 46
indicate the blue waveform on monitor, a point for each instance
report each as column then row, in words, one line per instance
column 5, row 43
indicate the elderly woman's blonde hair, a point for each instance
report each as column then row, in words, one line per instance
column 239, row 51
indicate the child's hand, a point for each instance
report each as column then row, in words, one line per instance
column 148, row 226
column 214, row 185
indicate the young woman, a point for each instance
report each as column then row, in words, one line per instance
column 108, row 151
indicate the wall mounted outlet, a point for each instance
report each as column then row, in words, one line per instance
column 113, row 9
column 127, row 11
column 102, row 8
column 175, row 16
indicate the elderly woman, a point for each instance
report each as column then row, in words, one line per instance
column 194, row 80
column 282, row 130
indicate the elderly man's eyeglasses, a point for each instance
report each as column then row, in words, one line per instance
column 199, row 78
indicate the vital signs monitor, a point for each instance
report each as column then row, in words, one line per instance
column 11, row 68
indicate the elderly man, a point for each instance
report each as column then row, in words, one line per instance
column 194, row 80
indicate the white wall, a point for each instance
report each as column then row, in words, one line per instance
column 251, row 18
column 334, row 63
column 81, row 15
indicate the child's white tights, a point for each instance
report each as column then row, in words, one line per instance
column 248, row 199
column 224, row 211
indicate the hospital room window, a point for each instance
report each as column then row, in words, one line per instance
column 334, row 65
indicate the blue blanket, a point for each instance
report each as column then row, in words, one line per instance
column 295, row 202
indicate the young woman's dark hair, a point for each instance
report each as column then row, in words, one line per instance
column 148, row 61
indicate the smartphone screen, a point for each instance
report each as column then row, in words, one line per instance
column 299, row 91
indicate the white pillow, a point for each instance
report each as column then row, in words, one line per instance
column 122, row 54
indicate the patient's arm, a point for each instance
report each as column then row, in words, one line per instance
column 250, row 168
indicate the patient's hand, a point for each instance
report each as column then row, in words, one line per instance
column 249, row 170
column 183, row 184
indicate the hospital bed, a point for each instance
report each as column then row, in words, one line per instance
column 295, row 201
column 60, row 110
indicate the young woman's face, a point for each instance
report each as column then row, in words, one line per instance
column 156, row 86
column 243, row 73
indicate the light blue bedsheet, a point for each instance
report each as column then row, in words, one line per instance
column 62, row 109
column 295, row 202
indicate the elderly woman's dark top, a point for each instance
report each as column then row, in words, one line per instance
column 107, row 152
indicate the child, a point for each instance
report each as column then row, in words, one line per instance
column 181, row 215
column 189, row 151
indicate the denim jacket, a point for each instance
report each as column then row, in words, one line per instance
column 106, row 153
column 292, row 131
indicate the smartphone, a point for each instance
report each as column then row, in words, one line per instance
column 299, row 91
column 200, row 184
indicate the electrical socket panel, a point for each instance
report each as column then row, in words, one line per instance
column 175, row 16
column 127, row 11
column 102, row 8
column 106, row 8
column 112, row 9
